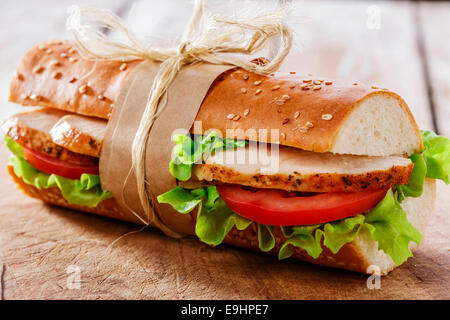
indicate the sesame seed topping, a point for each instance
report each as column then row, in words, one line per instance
column 292, row 85
column 236, row 117
column 123, row 67
column 54, row 63
column 283, row 135
column 246, row 111
column 317, row 87
column 296, row 114
column 72, row 59
column 276, row 87
column 328, row 83
column 83, row 88
column 258, row 91
column 285, row 121
column 309, row 124
column 34, row 97
column 73, row 80
column 49, row 51
column 245, row 76
column 230, row 116
column 243, row 90
column 317, row 82
column 303, row 129
column 56, row 75
column 285, row 97
column 257, row 83
column 305, row 86
column 38, row 69
column 72, row 50
column 279, row 102
column 42, row 47
column 327, row 116
column 101, row 97
column 64, row 55
column 307, row 80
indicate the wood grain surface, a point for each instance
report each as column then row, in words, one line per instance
column 42, row 247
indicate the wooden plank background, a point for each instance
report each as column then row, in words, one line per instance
column 407, row 53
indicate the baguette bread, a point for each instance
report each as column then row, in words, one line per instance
column 311, row 113
column 356, row 256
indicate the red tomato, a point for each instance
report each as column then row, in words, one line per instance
column 52, row 165
column 276, row 207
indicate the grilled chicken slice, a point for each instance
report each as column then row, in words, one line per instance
column 57, row 133
column 297, row 170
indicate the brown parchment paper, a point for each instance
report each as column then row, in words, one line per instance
column 183, row 100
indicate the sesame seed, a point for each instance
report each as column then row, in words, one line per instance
column 317, row 87
column 64, row 55
column 285, row 121
column 292, row 85
column 73, row 80
column 230, row 116
column 327, row 116
column 296, row 114
column 34, row 97
column 355, row 83
column 83, row 88
column 123, row 67
column 72, row 59
column 276, row 87
column 38, row 69
column 317, row 82
column 305, row 86
column 307, row 80
column 283, row 135
column 56, row 75
column 236, row 117
column 245, row 76
column 309, row 124
column 72, row 50
column 285, row 97
column 55, row 63
column 246, row 111
column 49, row 51
column 243, row 90
column 279, row 102
column 328, row 83
column 257, row 83
column 303, row 129
column 101, row 97
column 42, row 47
column 258, row 91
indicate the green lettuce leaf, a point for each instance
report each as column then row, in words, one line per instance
column 416, row 180
column 86, row 192
column 338, row 233
column 305, row 237
column 437, row 155
column 266, row 239
column 388, row 225
column 187, row 152
column 214, row 218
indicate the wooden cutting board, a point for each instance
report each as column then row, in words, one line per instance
column 53, row 253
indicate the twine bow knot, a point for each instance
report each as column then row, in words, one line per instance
column 206, row 39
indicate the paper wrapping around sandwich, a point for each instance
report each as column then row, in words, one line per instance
column 183, row 100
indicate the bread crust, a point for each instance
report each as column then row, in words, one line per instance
column 347, row 258
column 239, row 100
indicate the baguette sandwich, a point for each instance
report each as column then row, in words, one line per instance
column 353, row 186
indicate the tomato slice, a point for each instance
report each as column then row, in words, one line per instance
column 52, row 165
column 277, row 207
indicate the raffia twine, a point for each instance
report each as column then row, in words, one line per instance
column 207, row 39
